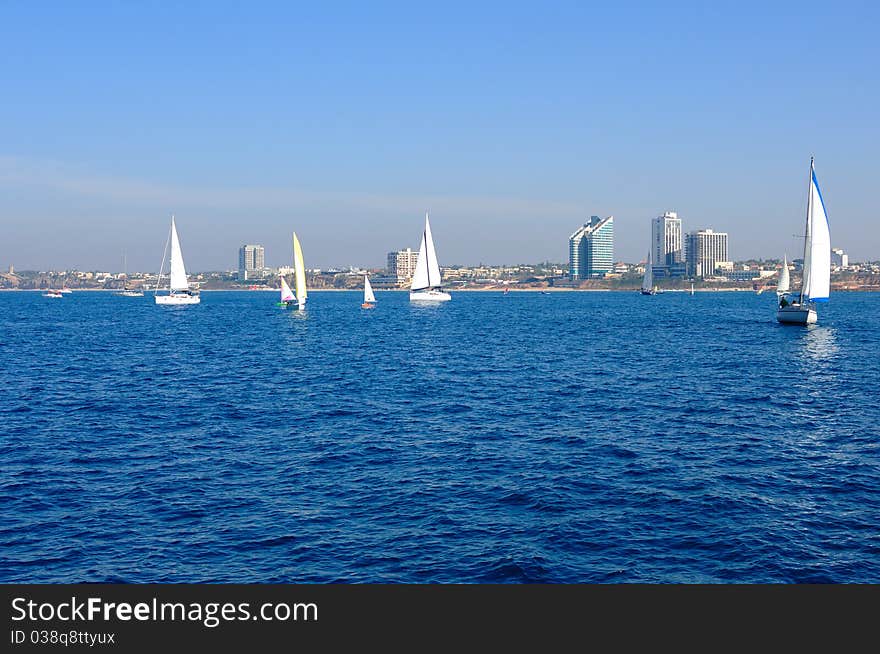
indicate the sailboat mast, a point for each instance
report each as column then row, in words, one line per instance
column 429, row 245
column 807, row 229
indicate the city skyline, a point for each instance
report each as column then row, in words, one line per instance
column 508, row 131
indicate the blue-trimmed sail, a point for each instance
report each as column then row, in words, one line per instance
column 817, row 250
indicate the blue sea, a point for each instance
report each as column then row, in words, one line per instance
column 569, row 437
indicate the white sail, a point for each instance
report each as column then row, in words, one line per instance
column 420, row 276
column 817, row 250
column 784, row 282
column 286, row 293
column 299, row 271
column 369, row 298
column 178, row 271
column 648, row 279
column 427, row 273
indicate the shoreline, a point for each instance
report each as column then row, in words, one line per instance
column 493, row 289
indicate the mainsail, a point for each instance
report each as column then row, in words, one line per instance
column 648, row 279
column 427, row 273
column 299, row 271
column 817, row 248
column 369, row 298
column 178, row 271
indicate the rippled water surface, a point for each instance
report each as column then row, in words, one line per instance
column 570, row 437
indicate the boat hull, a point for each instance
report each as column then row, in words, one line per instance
column 649, row 292
column 367, row 305
column 796, row 315
column 429, row 296
column 177, row 300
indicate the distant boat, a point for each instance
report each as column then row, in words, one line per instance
column 53, row 293
column 816, row 280
column 545, row 292
column 126, row 291
column 287, row 297
column 369, row 298
column 506, row 290
column 648, row 287
column 427, row 286
column 299, row 272
column 692, row 288
column 179, row 291
column 784, row 282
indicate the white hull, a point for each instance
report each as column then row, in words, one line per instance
column 429, row 296
column 796, row 315
column 177, row 299
column 131, row 294
column 53, row 295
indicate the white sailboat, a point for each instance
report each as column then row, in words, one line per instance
column 427, row 286
column 369, row 298
column 126, row 291
column 648, row 279
column 287, row 296
column 784, row 282
column 816, row 280
column 299, row 272
column 179, row 291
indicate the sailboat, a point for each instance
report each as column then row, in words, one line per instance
column 287, row 297
column 648, row 287
column 427, row 286
column 816, row 280
column 692, row 288
column 126, row 291
column 53, row 293
column 782, row 285
column 299, row 272
column 64, row 288
column 179, row 291
column 369, row 298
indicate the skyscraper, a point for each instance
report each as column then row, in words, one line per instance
column 591, row 249
column 704, row 250
column 667, row 247
column 402, row 264
column 251, row 258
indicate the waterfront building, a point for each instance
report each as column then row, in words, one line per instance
column 591, row 249
column 704, row 249
column 251, row 259
column 402, row 265
column 667, row 246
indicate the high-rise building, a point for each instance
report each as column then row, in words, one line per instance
column 591, row 249
column 704, row 249
column 839, row 258
column 251, row 259
column 667, row 246
column 402, row 264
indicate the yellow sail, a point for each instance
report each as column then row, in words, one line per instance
column 299, row 271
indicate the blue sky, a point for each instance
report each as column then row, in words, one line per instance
column 511, row 122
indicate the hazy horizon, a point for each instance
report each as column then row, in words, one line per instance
column 510, row 125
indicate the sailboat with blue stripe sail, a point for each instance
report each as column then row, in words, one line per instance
column 800, row 309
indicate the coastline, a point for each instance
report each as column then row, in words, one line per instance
column 494, row 289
